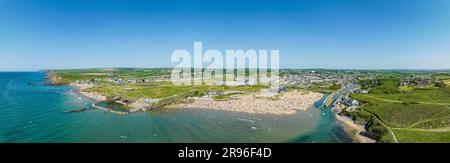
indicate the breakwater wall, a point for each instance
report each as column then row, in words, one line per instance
column 94, row 105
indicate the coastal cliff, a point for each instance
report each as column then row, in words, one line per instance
column 54, row 78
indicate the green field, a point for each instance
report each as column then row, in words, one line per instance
column 447, row 82
column 154, row 90
column 408, row 136
column 426, row 96
column 167, row 89
column 411, row 113
column 444, row 77
column 71, row 75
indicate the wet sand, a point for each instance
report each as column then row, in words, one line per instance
column 354, row 129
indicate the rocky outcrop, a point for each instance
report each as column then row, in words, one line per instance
column 54, row 79
column 76, row 110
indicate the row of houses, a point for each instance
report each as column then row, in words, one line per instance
column 308, row 78
column 349, row 103
column 416, row 82
column 120, row 81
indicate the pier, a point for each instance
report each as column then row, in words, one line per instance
column 328, row 101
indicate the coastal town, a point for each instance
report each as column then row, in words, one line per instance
column 314, row 80
column 327, row 81
column 290, row 80
column 349, row 94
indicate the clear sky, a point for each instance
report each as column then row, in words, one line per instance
column 362, row 34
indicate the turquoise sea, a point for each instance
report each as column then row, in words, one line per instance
column 31, row 111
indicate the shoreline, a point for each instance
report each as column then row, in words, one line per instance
column 348, row 125
column 55, row 80
column 353, row 129
column 286, row 103
column 94, row 105
column 255, row 103
column 92, row 95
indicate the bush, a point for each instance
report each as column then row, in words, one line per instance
column 440, row 84
column 375, row 127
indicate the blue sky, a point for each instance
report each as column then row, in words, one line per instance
column 361, row 34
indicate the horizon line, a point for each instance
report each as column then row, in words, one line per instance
column 360, row 69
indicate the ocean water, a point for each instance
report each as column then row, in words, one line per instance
column 31, row 111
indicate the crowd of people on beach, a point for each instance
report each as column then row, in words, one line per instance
column 283, row 103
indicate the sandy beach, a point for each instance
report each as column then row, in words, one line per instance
column 285, row 103
column 354, row 129
column 278, row 104
column 92, row 95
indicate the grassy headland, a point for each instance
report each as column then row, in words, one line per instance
column 151, row 88
column 406, row 110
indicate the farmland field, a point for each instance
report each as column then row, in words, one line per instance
column 167, row 89
column 411, row 113
column 406, row 136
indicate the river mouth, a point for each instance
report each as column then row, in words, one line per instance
column 193, row 125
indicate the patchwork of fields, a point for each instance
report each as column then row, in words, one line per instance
column 412, row 114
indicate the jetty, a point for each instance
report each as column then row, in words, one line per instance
column 76, row 110
column 329, row 100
